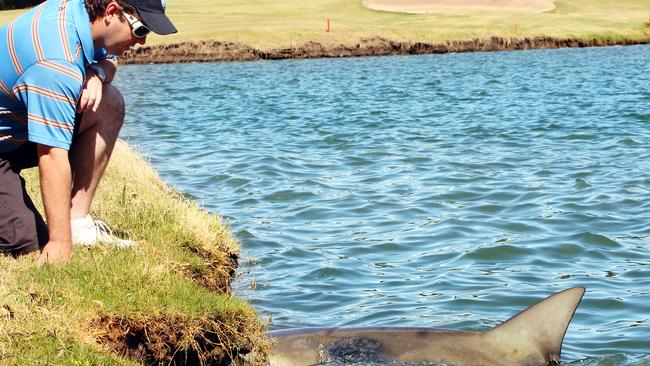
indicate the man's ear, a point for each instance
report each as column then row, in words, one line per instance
column 112, row 9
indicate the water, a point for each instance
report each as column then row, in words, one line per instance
column 443, row 190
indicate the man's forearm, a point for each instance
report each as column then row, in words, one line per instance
column 56, row 180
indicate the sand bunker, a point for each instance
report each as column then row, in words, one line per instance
column 424, row 6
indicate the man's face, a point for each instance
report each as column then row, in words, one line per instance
column 120, row 37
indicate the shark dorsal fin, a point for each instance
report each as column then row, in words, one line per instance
column 539, row 330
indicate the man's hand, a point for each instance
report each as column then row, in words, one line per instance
column 91, row 94
column 55, row 252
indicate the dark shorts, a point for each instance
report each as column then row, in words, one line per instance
column 22, row 228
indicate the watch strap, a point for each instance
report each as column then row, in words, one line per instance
column 99, row 71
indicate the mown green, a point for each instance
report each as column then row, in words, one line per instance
column 271, row 24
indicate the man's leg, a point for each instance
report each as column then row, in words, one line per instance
column 22, row 228
column 92, row 149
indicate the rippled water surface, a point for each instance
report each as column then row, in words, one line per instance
column 444, row 190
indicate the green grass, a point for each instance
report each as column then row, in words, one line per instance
column 74, row 314
column 270, row 24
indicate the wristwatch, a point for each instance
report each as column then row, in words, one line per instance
column 99, row 71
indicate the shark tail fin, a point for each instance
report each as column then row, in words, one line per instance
column 542, row 325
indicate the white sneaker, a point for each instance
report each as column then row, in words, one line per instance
column 88, row 232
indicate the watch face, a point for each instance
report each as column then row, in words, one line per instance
column 99, row 72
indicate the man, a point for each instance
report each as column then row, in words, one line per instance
column 59, row 112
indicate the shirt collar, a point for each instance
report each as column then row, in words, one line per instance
column 82, row 25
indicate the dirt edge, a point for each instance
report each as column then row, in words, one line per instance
column 211, row 51
column 181, row 340
column 217, row 273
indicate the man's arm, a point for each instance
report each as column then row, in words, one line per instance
column 91, row 94
column 56, row 180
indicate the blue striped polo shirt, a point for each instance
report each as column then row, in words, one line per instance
column 43, row 54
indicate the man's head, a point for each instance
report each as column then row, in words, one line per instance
column 118, row 25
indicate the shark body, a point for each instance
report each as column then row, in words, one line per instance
column 531, row 338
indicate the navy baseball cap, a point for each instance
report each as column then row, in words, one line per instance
column 153, row 15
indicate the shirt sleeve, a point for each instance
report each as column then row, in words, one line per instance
column 102, row 54
column 49, row 90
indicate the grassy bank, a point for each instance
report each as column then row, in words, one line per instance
column 167, row 300
column 271, row 24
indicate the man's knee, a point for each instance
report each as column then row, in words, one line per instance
column 112, row 105
column 110, row 114
column 114, row 100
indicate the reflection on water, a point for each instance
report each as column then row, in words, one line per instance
column 443, row 190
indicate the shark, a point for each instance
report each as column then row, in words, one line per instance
column 533, row 337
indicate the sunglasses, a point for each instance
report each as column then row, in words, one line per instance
column 137, row 28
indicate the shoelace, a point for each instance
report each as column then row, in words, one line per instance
column 103, row 229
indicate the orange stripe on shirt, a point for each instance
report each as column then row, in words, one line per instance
column 45, row 92
column 64, row 33
column 62, row 69
column 12, row 50
column 50, row 122
column 35, row 37
column 77, row 53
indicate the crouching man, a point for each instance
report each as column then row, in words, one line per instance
column 59, row 111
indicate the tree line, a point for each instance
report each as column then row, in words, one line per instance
column 18, row 4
